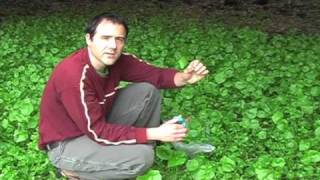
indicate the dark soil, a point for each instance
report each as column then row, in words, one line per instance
column 272, row 16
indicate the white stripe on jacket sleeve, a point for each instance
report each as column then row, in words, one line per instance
column 96, row 138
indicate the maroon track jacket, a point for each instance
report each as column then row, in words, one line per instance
column 76, row 99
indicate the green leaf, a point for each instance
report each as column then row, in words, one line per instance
column 151, row 175
column 262, row 135
column 264, row 174
column 193, row 133
column 277, row 116
column 304, row 145
column 240, row 85
column 315, row 91
column 54, row 50
column 220, row 77
column 305, row 103
column 278, row 162
column 227, row 164
column 183, row 62
column 252, row 113
column 288, row 135
column 310, row 157
column 193, row 165
column 20, row 136
column 27, row 110
column 317, row 132
column 206, row 172
column 163, row 152
column 34, row 77
column 187, row 93
column 5, row 123
column 33, row 123
column 179, row 158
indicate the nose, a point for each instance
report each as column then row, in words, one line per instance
column 112, row 43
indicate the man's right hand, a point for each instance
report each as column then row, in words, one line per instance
column 169, row 131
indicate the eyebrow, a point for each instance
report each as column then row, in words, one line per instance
column 113, row 36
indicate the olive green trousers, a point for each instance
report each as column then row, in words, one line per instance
column 137, row 105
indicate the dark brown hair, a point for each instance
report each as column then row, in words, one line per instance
column 95, row 21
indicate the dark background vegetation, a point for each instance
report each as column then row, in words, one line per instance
column 272, row 16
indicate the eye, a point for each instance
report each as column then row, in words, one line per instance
column 120, row 39
column 106, row 37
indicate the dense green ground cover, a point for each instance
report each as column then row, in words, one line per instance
column 260, row 105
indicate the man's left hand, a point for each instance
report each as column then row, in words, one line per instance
column 194, row 72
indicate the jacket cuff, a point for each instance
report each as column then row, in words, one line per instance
column 168, row 78
column 141, row 135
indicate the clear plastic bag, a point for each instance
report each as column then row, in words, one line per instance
column 193, row 148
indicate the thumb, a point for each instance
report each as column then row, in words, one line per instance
column 188, row 70
column 171, row 121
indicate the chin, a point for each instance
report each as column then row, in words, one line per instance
column 109, row 62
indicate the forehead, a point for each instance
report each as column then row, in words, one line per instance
column 109, row 28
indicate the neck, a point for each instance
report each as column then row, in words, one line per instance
column 97, row 65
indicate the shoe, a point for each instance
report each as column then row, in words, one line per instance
column 66, row 173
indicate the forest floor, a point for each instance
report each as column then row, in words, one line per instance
column 276, row 17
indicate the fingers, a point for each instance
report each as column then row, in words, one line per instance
column 203, row 71
column 171, row 131
column 178, row 139
column 189, row 69
column 178, row 128
column 180, row 132
column 191, row 66
column 181, row 129
column 172, row 121
column 197, row 67
column 179, row 136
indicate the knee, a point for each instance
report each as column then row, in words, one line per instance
column 149, row 89
column 145, row 160
column 148, row 86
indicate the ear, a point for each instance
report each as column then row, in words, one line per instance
column 88, row 39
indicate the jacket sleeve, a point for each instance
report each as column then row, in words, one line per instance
column 136, row 70
column 85, row 111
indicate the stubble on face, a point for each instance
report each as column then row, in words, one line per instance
column 106, row 46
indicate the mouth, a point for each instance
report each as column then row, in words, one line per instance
column 110, row 54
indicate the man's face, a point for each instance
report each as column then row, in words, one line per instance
column 107, row 44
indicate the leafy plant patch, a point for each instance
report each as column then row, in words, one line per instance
column 259, row 105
